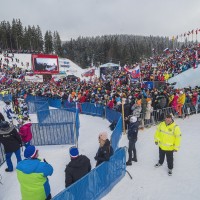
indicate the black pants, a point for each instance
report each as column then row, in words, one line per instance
column 49, row 197
column 132, row 149
column 169, row 155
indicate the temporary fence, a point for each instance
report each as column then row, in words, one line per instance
column 34, row 106
column 2, row 155
column 116, row 134
column 92, row 109
column 6, row 97
column 99, row 181
column 59, row 126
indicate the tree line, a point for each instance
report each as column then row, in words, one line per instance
column 85, row 51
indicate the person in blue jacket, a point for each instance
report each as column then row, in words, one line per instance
column 32, row 175
column 133, row 127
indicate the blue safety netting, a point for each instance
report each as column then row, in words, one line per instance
column 2, row 155
column 53, row 134
column 99, row 181
column 92, row 109
column 34, row 106
column 56, row 103
column 112, row 115
column 116, row 134
column 6, row 97
column 57, row 116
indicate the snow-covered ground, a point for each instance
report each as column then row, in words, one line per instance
column 148, row 183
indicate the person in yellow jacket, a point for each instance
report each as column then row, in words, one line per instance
column 181, row 102
column 168, row 138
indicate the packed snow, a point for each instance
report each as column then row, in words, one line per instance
column 148, row 183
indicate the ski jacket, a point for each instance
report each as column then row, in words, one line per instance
column 104, row 153
column 32, row 176
column 168, row 136
column 10, row 139
column 25, row 132
column 133, row 130
column 76, row 169
column 181, row 99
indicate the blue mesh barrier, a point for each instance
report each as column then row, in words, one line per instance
column 66, row 104
column 112, row 115
column 2, row 156
column 58, row 116
column 6, row 97
column 53, row 134
column 99, row 181
column 116, row 134
column 34, row 106
column 54, row 102
column 92, row 109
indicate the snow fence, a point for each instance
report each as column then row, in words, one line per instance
column 99, row 181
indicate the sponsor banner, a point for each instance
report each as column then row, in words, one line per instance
column 34, row 78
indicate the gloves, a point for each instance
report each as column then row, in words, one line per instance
column 156, row 143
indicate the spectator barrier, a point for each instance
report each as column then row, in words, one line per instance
column 116, row 134
column 112, row 115
column 99, row 181
column 2, row 155
column 6, row 97
column 58, row 127
column 92, row 109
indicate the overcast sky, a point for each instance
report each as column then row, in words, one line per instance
column 101, row 17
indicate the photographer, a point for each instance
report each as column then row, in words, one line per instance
column 32, row 175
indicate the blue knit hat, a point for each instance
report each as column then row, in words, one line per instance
column 73, row 151
column 30, row 152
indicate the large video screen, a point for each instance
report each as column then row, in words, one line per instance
column 45, row 64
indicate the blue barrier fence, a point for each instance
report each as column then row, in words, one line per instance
column 92, row 109
column 2, row 155
column 99, row 181
column 53, row 134
column 112, row 115
column 116, row 134
column 6, row 97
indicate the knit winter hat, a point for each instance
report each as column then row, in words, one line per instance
column 103, row 136
column 133, row 119
column 73, row 151
column 30, row 152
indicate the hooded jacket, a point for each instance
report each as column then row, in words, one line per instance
column 104, row 153
column 32, row 175
column 133, row 130
column 168, row 137
column 25, row 132
column 76, row 169
column 10, row 139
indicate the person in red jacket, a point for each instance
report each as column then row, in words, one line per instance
column 25, row 131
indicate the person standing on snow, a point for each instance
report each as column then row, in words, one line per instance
column 9, row 112
column 168, row 138
column 11, row 141
column 105, row 150
column 78, row 167
column 32, row 175
column 133, row 127
column 25, row 131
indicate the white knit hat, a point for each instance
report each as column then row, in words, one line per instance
column 133, row 119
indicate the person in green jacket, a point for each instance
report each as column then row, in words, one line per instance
column 168, row 138
column 32, row 175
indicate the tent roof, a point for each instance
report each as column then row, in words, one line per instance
column 109, row 65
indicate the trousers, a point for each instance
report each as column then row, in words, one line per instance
column 169, row 155
column 8, row 159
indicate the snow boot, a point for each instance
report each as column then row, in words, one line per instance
column 157, row 165
column 170, row 172
column 8, row 170
column 134, row 159
column 128, row 163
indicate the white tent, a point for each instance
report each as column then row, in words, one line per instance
column 110, row 65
